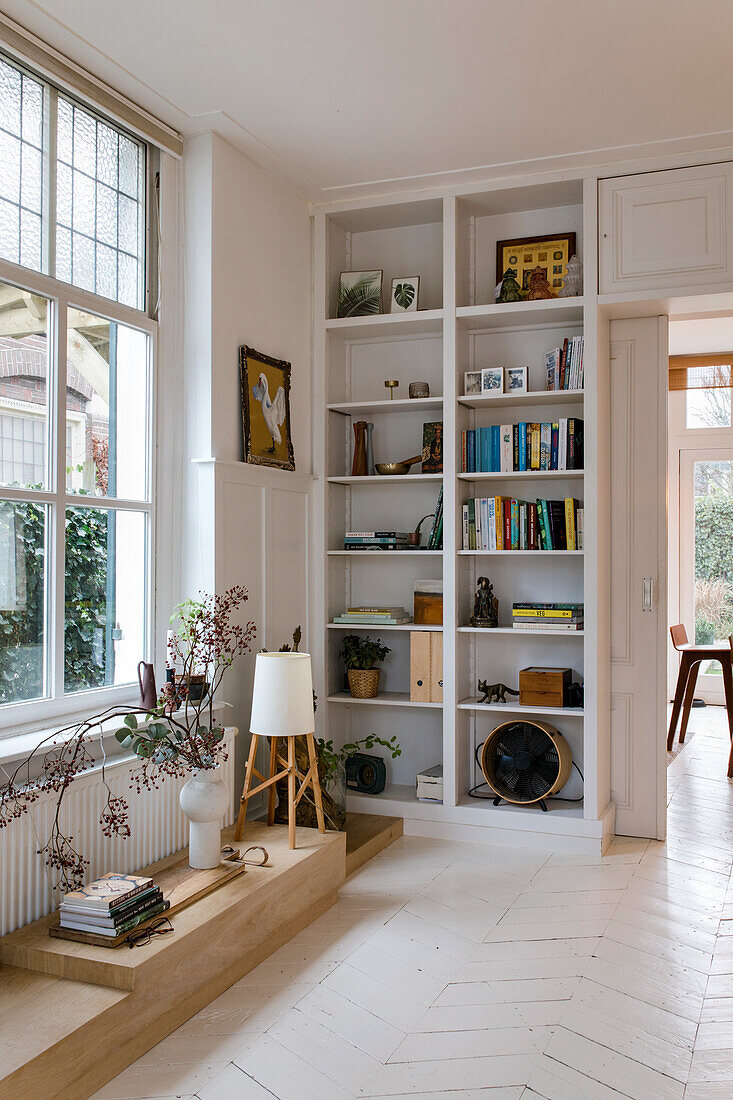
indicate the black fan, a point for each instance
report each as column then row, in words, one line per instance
column 525, row 762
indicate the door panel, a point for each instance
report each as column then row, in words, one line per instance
column 639, row 574
column 665, row 229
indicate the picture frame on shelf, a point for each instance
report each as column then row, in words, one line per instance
column 492, row 380
column 265, row 386
column 432, row 448
column 524, row 255
column 516, row 380
column 359, row 293
column 471, row 382
column 404, row 294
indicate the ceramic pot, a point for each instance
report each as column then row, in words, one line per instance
column 204, row 799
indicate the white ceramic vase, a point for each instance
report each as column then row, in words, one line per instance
column 204, row 799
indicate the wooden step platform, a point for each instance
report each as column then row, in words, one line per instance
column 366, row 836
column 73, row 1015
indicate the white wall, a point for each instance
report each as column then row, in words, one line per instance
column 247, row 260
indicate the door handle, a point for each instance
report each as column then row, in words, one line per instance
column 647, row 594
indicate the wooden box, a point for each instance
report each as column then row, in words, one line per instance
column 543, row 687
column 426, row 666
column 428, row 603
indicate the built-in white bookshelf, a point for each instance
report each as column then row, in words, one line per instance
column 450, row 242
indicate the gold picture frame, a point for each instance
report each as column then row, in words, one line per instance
column 524, row 254
column 265, row 384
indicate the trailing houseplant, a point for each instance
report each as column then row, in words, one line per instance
column 361, row 655
column 169, row 740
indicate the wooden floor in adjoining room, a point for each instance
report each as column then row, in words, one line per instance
column 463, row 971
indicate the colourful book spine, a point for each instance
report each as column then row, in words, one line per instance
column 491, row 511
column 471, row 451
column 534, row 449
column 570, row 522
column 531, row 526
column 554, row 447
column 495, row 448
column 506, row 448
column 507, row 510
column 464, row 515
column 515, row 446
column 522, row 447
column 547, row 529
column 515, row 524
column 545, row 446
column 471, row 524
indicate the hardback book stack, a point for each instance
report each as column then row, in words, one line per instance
column 506, row 448
column 112, row 905
column 373, row 616
column 548, row 616
column 376, row 540
column 502, row 523
column 564, row 366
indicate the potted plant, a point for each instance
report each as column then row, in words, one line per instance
column 360, row 655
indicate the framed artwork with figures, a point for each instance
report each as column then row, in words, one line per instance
column 524, row 255
column 265, row 384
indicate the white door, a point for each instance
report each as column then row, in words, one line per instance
column 706, row 565
column 638, row 534
column 665, row 229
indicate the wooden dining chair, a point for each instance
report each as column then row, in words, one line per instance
column 691, row 657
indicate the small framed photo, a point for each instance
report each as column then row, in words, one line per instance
column 405, row 291
column 471, row 382
column 360, row 293
column 516, row 379
column 492, row 380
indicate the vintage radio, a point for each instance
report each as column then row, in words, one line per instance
column 366, row 774
column 544, row 687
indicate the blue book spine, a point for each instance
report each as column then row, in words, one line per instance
column 471, row 449
column 522, row 446
column 485, row 434
column 554, row 447
column 495, row 448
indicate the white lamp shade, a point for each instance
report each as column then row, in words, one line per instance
column 282, row 700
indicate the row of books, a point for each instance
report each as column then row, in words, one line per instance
column 373, row 616
column 505, row 448
column 112, row 905
column 564, row 365
column 548, row 616
column 502, row 523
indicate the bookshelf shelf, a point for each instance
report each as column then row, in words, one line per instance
column 386, row 324
column 384, row 699
column 520, row 634
column 376, row 626
column 386, row 479
column 387, row 553
column 522, row 475
column 510, row 400
column 515, row 708
column 524, row 553
column 521, row 315
column 381, row 408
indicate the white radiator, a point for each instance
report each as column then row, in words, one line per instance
column 157, row 828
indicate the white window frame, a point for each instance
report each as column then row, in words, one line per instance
column 23, row 716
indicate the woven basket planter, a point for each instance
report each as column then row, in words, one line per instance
column 363, row 682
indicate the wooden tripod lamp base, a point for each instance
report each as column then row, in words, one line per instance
column 282, row 709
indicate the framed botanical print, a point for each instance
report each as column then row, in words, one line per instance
column 525, row 254
column 265, row 386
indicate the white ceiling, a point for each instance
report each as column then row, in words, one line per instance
column 335, row 95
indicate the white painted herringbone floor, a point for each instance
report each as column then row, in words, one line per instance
column 458, row 971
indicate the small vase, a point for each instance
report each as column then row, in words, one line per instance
column 204, row 800
column 370, row 450
column 359, row 461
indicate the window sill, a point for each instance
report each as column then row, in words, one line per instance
column 16, row 748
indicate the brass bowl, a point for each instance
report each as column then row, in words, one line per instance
column 393, row 467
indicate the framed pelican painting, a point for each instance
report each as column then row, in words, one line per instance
column 266, row 409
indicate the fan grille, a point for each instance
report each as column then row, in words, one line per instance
column 525, row 761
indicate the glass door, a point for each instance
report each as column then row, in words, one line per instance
column 706, row 555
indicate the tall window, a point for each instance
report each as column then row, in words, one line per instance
column 76, row 367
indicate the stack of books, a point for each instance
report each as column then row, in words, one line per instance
column 505, row 448
column 376, row 540
column 547, row 616
column 112, row 905
column 374, row 616
column 502, row 523
column 564, row 366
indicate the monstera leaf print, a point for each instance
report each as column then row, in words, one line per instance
column 404, row 294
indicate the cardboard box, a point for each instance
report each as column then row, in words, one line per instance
column 426, row 666
column 543, row 687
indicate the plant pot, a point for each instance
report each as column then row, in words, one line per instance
column 196, row 687
column 204, row 800
column 363, row 682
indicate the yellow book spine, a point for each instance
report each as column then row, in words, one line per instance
column 570, row 522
